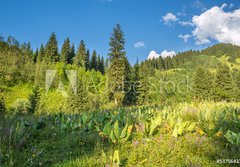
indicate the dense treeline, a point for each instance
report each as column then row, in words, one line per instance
column 113, row 80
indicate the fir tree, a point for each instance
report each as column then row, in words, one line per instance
column 79, row 101
column 71, row 55
column 160, row 63
column 40, row 56
column 80, row 57
column 33, row 99
column 51, row 49
column 136, row 82
column 224, row 84
column 35, row 56
column 94, row 64
column 117, row 66
column 87, row 61
column 65, row 52
column 3, row 108
column 98, row 63
column 101, row 67
column 203, row 84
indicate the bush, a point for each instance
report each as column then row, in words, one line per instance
column 2, row 107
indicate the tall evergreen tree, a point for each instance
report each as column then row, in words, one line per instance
column 71, row 55
column 98, row 63
column 79, row 101
column 101, row 67
column 94, row 64
column 51, row 49
column 224, row 84
column 117, row 67
column 80, row 57
column 87, row 61
column 203, row 84
column 136, row 82
column 160, row 63
column 66, row 51
column 33, row 99
column 35, row 56
column 40, row 56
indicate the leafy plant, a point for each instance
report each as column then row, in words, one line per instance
column 113, row 161
column 233, row 138
column 115, row 133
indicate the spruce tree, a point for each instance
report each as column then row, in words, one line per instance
column 87, row 61
column 40, row 56
column 101, row 67
column 51, row 49
column 80, row 57
column 35, row 56
column 117, row 66
column 202, row 84
column 79, row 101
column 160, row 63
column 94, row 64
column 71, row 55
column 3, row 108
column 136, row 82
column 98, row 63
column 65, row 52
column 224, row 87
column 33, row 99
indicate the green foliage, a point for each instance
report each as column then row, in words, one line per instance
column 3, row 108
column 233, row 138
column 80, row 57
column 224, row 84
column 94, row 64
column 51, row 49
column 33, row 99
column 65, row 52
column 79, row 100
column 203, row 84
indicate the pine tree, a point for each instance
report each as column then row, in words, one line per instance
column 79, row 101
column 117, row 67
column 71, row 55
column 40, row 56
column 87, row 61
column 94, row 64
column 33, row 99
column 65, row 52
column 101, row 67
column 203, row 84
column 160, row 63
column 80, row 57
column 98, row 63
column 3, row 108
column 224, row 84
column 35, row 56
column 51, row 49
column 136, row 82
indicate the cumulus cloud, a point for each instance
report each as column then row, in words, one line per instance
column 184, row 37
column 169, row 17
column 139, row 44
column 154, row 55
column 231, row 6
column 216, row 24
column 186, row 23
column 166, row 53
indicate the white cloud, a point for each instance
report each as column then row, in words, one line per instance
column 186, row 23
column 166, row 53
column 223, row 6
column 139, row 44
column 184, row 37
column 169, row 17
column 216, row 24
column 154, row 55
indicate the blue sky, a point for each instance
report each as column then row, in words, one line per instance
column 93, row 20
